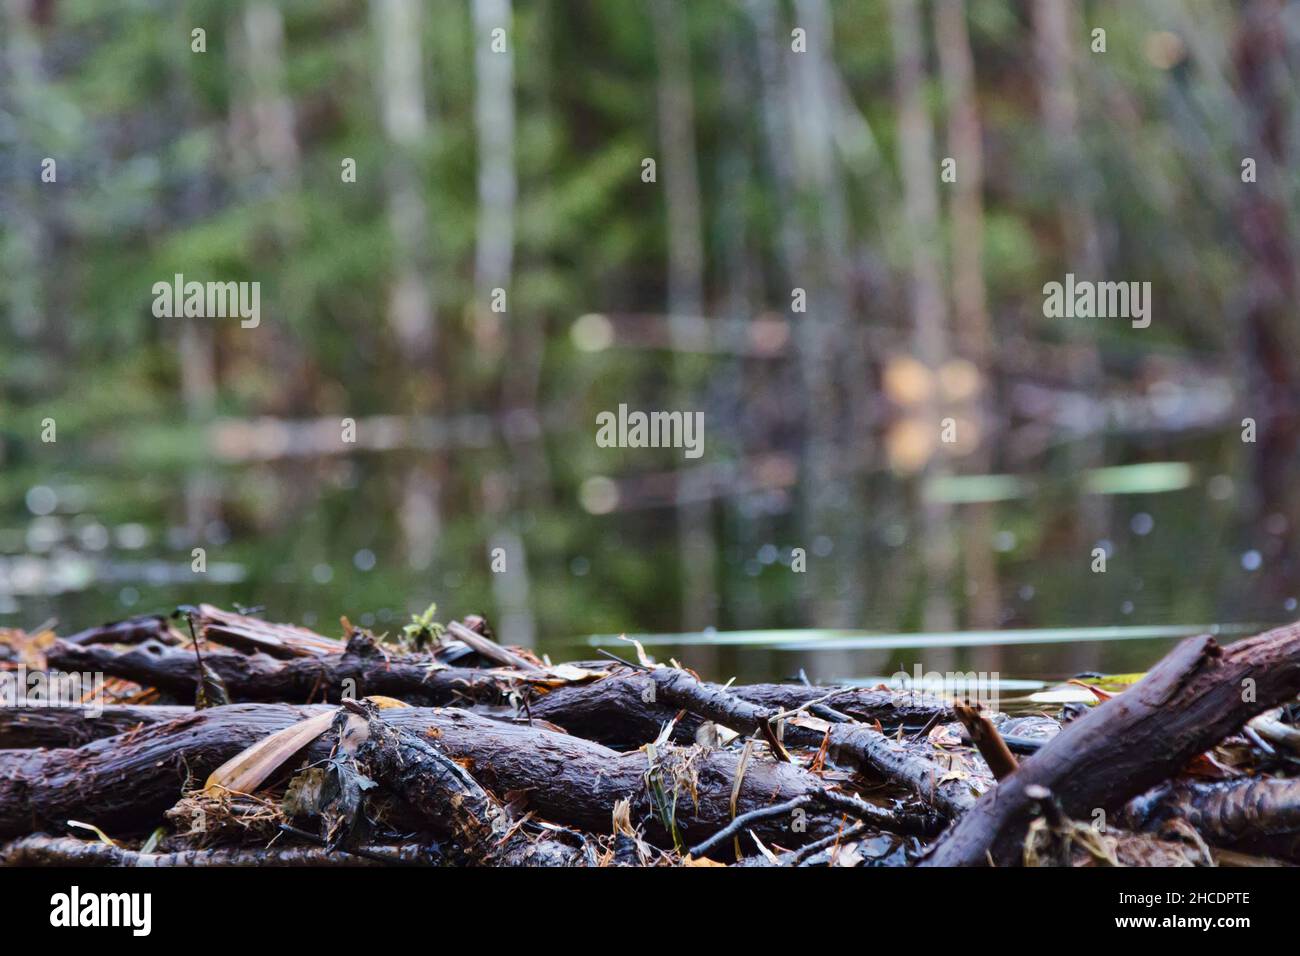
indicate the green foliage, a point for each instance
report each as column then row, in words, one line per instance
column 423, row 629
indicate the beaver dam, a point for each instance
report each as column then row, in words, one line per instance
column 218, row 738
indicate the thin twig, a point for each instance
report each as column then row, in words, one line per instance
column 614, row 657
column 817, row 846
column 745, row 819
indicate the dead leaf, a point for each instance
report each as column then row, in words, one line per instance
column 641, row 655
column 571, row 672
column 245, row 772
column 945, row 735
column 849, row 855
column 812, row 723
column 387, row 703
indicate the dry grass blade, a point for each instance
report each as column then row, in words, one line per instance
column 103, row 837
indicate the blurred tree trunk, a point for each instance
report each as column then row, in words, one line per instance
column 775, row 101
column 26, row 236
column 839, row 386
column 399, row 29
column 523, row 427
column 412, row 315
column 957, row 70
column 196, row 337
column 965, row 144
column 741, row 272
column 494, row 117
column 521, row 386
column 197, row 353
column 263, row 115
column 515, row 622
column 1263, row 216
column 1057, row 46
column 274, row 138
column 420, row 515
column 697, row 552
column 920, row 174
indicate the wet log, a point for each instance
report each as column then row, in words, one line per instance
column 124, row 783
column 41, row 850
column 891, row 708
column 251, row 634
column 612, row 711
column 859, row 745
column 1197, row 695
column 22, row 727
column 135, row 630
column 620, row 710
column 1251, row 814
column 362, row 670
column 624, row 709
column 286, row 641
column 444, row 794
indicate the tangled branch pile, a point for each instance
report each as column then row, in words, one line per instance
column 266, row 744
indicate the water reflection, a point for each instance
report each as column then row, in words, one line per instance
column 378, row 535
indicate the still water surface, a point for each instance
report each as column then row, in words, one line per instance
column 1188, row 549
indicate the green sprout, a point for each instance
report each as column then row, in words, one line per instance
column 423, row 629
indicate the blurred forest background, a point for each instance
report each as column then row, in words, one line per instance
column 798, row 145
